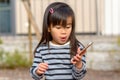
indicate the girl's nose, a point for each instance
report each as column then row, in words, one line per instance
column 63, row 31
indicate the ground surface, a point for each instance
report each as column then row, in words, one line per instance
column 23, row 74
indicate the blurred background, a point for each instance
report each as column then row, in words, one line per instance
column 96, row 20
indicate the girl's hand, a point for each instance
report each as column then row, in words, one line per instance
column 76, row 60
column 42, row 67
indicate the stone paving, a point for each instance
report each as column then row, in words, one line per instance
column 23, row 74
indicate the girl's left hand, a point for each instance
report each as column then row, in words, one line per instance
column 76, row 60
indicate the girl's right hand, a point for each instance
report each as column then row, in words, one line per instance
column 42, row 67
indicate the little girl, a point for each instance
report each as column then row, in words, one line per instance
column 57, row 55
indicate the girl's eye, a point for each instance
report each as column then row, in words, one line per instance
column 58, row 27
column 68, row 26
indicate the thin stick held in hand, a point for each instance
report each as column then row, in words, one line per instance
column 88, row 45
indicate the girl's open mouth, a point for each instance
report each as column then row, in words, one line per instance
column 63, row 38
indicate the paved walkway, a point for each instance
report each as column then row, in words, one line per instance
column 23, row 74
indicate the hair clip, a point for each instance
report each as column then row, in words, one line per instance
column 51, row 10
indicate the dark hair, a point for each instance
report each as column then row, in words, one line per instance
column 60, row 12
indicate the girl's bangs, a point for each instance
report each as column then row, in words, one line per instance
column 59, row 18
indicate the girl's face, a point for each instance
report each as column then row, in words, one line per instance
column 60, row 35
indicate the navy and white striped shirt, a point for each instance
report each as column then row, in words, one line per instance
column 59, row 65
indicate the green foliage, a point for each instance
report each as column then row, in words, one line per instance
column 13, row 60
column 118, row 40
column 1, row 41
column 1, row 55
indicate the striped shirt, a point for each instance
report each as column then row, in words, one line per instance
column 59, row 65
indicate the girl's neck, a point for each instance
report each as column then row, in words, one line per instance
column 51, row 43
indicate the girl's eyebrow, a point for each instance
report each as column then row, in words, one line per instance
column 69, row 23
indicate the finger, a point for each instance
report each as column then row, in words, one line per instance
column 76, row 58
column 73, row 61
column 42, row 68
column 83, row 52
column 78, row 50
column 40, row 72
column 43, row 65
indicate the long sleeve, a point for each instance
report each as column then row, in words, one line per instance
column 78, row 74
column 36, row 61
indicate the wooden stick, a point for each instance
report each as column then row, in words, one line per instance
column 30, row 16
